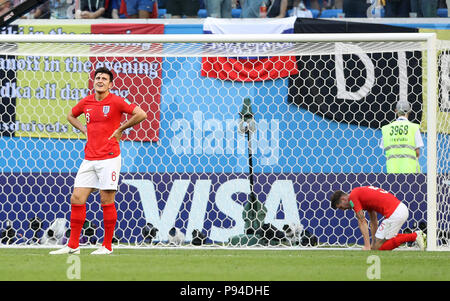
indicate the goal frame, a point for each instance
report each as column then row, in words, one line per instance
column 431, row 46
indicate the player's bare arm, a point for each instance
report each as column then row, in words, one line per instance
column 364, row 227
column 137, row 116
column 76, row 123
column 373, row 225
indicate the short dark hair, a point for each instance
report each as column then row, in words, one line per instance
column 104, row 70
column 336, row 198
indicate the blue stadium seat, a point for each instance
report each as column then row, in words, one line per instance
column 162, row 12
column 315, row 12
column 330, row 13
column 442, row 13
column 236, row 13
column 202, row 13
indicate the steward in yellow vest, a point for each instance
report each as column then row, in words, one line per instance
column 402, row 142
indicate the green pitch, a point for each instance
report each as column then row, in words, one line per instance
column 223, row 265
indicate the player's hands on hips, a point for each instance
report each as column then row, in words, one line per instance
column 117, row 134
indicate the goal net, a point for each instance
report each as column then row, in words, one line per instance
column 246, row 138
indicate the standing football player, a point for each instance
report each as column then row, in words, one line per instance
column 376, row 200
column 100, row 168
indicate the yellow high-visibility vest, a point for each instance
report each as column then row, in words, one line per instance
column 400, row 147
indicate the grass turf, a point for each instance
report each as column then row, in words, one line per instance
column 224, row 265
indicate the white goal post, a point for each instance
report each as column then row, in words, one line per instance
column 192, row 167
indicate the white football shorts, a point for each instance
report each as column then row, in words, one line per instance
column 390, row 227
column 99, row 174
